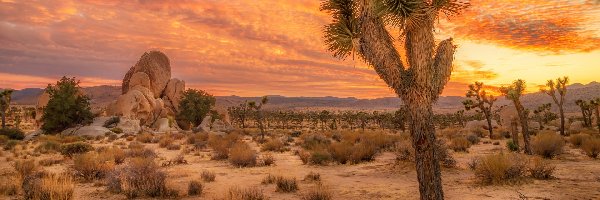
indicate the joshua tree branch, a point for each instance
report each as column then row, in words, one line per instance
column 442, row 66
column 377, row 48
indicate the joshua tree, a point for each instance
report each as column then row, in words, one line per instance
column 5, row 97
column 360, row 26
column 482, row 101
column 596, row 103
column 559, row 86
column 514, row 93
column 514, row 130
column 586, row 111
column 239, row 113
column 543, row 115
column 460, row 117
column 259, row 115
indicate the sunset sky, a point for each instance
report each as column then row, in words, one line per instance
column 260, row 47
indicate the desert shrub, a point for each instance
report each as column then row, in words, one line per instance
column 208, row 176
column 253, row 193
column 541, row 169
column 71, row 149
column 140, row 153
column 285, row 184
column 363, row 151
column 404, row 151
column 312, row 176
column 9, row 185
column 145, row 138
column 304, row 156
column 319, row 192
column 320, row 157
column 115, row 153
column 312, row 141
column 591, row 147
column 341, row 151
column 512, row 146
column 10, row 144
column 269, row 179
column 164, row 142
column 196, row 138
column 49, row 161
column 116, row 130
column 45, row 186
column 547, row 144
column 112, row 121
column 473, row 139
column 220, row 147
column 195, row 105
column 92, row 165
column 66, row 107
column 450, row 133
column 25, row 167
column 577, row 139
column 174, row 147
column 3, row 139
column 195, row 188
column 496, row 135
column 273, row 145
column 460, row 144
column 379, row 140
column 48, row 147
column 500, row 168
column 12, row 133
column 268, row 159
column 242, row 155
column 141, row 177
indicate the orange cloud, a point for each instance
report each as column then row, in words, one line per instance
column 557, row 26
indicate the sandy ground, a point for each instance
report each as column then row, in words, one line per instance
column 577, row 177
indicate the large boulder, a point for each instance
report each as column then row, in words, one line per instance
column 205, row 124
column 576, row 127
column 156, row 65
column 129, row 125
column 134, row 105
column 89, row 130
column 139, row 78
column 221, row 126
column 173, row 94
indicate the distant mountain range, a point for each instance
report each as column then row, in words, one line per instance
column 103, row 95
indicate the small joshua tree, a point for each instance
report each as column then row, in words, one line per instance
column 480, row 100
column 586, row 111
column 239, row 113
column 5, row 97
column 514, row 93
column 596, row 103
column 259, row 115
column 359, row 26
column 543, row 115
column 559, row 86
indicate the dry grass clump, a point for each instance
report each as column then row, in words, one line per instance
column 115, row 153
column 24, row 167
column 47, row 186
column 319, row 192
column 208, row 176
column 9, row 185
column 450, row 133
column 319, row 157
column 547, row 144
column 242, row 155
column 312, row 176
column 286, row 184
column 141, row 177
column 252, row 193
column 48, row 147
column 165, row 142
column 50, row 161
column 304, row 156
column 269, row 179
column 473, row 139
column 312, row 141
column 341, row 151
column 460, row 144
column 174, row 147
column 140, row 152
column 145, row 138
column 10, row 144
column 591, row 147
column 577, row 139
column 221, row 145
column 195, row 188
column 71, row 149
column 273, row 145
column 541, row 169
column 93, row 166
column 268, row 159
column 499, row 168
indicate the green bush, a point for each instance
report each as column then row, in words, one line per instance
column 75, row 148
column 10, row 144
column 12, row 133
column 48, row 146
column 195, row 105
column 512, row 146
column 320, row 157
column 66, row 107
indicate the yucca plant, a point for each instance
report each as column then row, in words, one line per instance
column 514, row 93
column 359, row 26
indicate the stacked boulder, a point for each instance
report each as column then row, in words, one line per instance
column 149, row 94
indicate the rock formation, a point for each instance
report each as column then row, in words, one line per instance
column 148, row 92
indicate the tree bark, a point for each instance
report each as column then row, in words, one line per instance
column 488, row 118
column 524, row 126
column 422, row 131
column 515, row 132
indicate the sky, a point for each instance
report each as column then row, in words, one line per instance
column 275, row 47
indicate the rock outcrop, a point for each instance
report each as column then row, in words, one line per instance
column 148, row 92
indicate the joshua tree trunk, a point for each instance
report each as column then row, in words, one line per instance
column 422, row 130
column 489, row 122
column 3, row 119
column 515, row 132
column 561, row 112
column 524, row 125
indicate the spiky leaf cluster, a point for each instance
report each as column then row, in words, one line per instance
column 342, row 33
